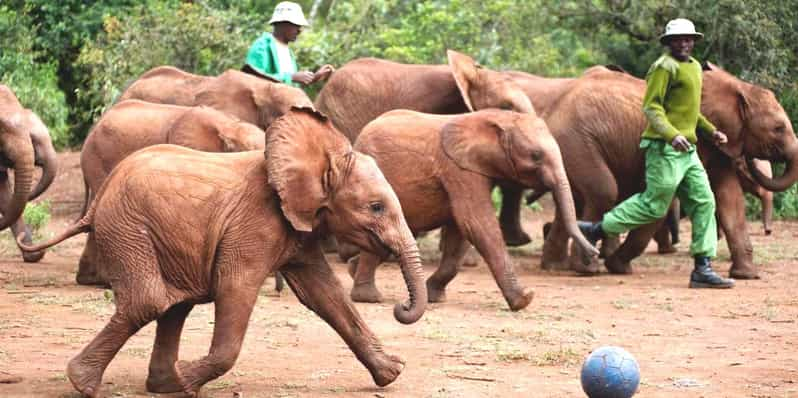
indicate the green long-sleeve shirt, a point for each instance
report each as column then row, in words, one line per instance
column 672, row 103
column 263, row 57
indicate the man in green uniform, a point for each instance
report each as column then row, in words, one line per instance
column 270, row 57
column 672, row 106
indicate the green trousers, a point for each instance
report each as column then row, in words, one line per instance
column 668, row 173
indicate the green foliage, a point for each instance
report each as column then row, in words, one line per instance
column 190, row 36
column 37, row 215
column 34, row 83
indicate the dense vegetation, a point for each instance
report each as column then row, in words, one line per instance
column 69, row 59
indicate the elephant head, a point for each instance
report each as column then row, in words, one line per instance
column 483, row 88
column 322, row 181
column 755, row 123
column 17, row 153
column 517, row 147
column 251, row 99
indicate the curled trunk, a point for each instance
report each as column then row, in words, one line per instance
column 49, row 170
column 779, row 183
column 413, row 273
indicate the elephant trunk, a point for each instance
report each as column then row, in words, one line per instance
column 565, row 206
column 47, row 161
column 780, row 183
column 767, row 212
column 23, row 179
column 413, row 273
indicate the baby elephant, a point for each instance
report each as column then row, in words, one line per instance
column 132, row 125
column 176, row 227
column 443, row 168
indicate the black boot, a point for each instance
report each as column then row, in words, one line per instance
column 704, row 277
column 592, row 231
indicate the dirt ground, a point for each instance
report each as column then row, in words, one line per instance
column 689, row 343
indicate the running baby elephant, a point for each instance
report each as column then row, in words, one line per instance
column 177, row 227
column 132, row 125
column 443, row 168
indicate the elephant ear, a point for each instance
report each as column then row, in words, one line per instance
column 466, row 74
column 479, row 144
column 303, row 161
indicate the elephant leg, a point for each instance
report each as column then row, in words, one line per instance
column 346, row 251
column 364, row 290
column 731, row 214
column 279, row 283
column 85, row 371
column 475, row 218
column 20, row 227
column 555, row 247
column 510, row 216
column 471, row 258
column 316, row 286
column 663, row 238
column 88, row 269
column 454, row 251
column 233, row 307
column 162, row 377
column 635, row 244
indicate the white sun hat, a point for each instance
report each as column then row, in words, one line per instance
column 288, row 11
column 680, row 27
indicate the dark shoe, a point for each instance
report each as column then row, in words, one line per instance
column 592, row 231
column 704, row 277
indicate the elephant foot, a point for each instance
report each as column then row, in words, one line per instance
column 33, row 257
column 387, row 370
column 609, row 246
column 585, row 267
column 365, row 293
column 515, row 237
column 163, row 381
column 90, row 279
column 554, row 265
column 435, row 293
column 743, row 273
column 666, row 249
column 520, row 301
column 85, row 379
column 615, row 266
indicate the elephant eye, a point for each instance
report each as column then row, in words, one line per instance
column 537, row 156
column 376, row 207
column 780, row 129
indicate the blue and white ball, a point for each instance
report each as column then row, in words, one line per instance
column 610, row 372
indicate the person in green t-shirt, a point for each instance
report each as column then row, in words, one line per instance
column 270, row 57
column 672, row 104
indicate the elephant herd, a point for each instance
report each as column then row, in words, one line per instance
column 197, row 188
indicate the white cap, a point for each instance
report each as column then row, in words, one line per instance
column 288, row 11
column 680, row 27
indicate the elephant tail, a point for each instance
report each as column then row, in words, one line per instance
column 82, row 226
column 86, row 201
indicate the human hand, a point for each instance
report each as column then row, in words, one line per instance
column 680, row 143
column 719, row 138
column 303, row 77
column 323, row 73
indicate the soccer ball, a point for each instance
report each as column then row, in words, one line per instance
column 610, row 372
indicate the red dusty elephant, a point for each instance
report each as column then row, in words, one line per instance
column 364, row 89
column 177, row 227
column 24, row 144
column 250, row 99
column 597, row 122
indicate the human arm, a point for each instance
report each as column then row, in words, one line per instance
column 323, row 73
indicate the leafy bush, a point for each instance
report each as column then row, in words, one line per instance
column 37, row 215
column 34, row 83
column 190, row 36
